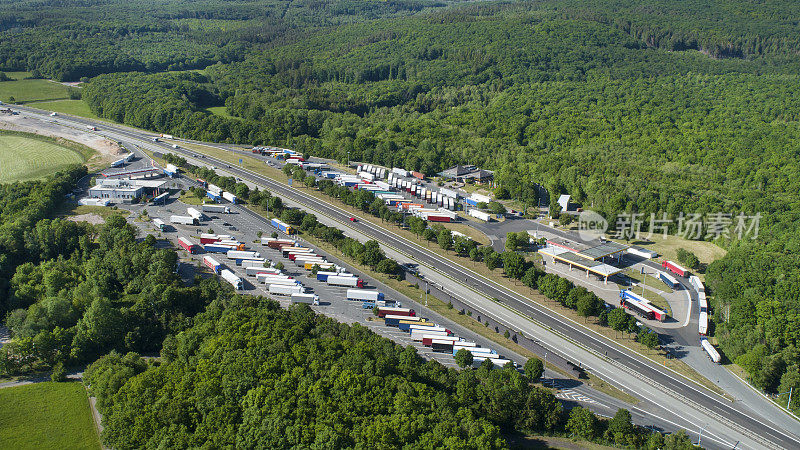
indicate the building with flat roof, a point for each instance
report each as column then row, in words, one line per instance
column 467, row 172
column 126, row 190
column 589, row 258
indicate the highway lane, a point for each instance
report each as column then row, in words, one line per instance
column 488, row 287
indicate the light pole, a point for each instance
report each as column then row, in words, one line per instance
column 544, row 369
column 700, row 436
column 426, row 298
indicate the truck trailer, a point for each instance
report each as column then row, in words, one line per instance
column 337, row 280
column 282, row 289
column 364, row 295
column 216, row 209
column 241, row 254
column 187, row 245
column 229, row 197
column 184, row 220
column 212, row 264
column 283, row 226
column 231, row 278
column 308, row 299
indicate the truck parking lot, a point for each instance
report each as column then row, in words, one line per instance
column 245, row 226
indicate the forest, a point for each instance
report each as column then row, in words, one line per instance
column 679, row 107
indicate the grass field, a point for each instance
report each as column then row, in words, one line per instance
column 46, row 416
column 74, row 107
column 221, row 111
column 25, row 157
column 706, row 252
column 24, row 91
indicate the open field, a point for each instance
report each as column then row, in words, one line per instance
column 221, row 111
column 77, row 211
column 47, row 416
column 24, row 91
column 706, row 252
column 474, row 234
column 30, row 158
column 74, row 107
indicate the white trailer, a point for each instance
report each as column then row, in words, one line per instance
column 184, row 220
column 216, row 209
column 417, row 334
column 242, row 254
column 214, row 189
column 363, row 294
column 282, row 289
column 710, row 351
column 308, row 299
column 255, row 270
column 448, row 193
column 480, row 215
column 344, row 281
column 193, row 212
column 231, row 278
column 255, row 263
column 229, row 197
column 159, row 224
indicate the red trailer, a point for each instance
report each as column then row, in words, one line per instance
column 187, row 245
column 278, row 243
column 426, row 341
column 384, row 310
column 202, row 182
column 675, row 268
column 209, row 238
column 437, row 218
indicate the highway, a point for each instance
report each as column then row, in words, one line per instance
column 759, row 432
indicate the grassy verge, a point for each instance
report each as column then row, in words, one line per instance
column 21, row 90
column 472, row 233
column 190, row 199
column 47, row 416
column 74, row 107
column 222, row 112
column 658, row 356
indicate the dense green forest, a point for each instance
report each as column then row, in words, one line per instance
column 250, row 374
column 670, row 106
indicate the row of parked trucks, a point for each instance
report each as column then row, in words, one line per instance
column 437, row 337
column 702, row 323
column 216, row 193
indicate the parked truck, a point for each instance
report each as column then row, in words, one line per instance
column 187, row 245
column 160, row 224
column 241, row 254
column 194, row 213
column 480, row 215
column 229, row 197
column 216, row 209
column 184, row 220
column 308, row 299
column 218, row 248
column 364, row 295
column 213, row 196
column 383, row 311
column 283, row 226
column 212, row 264
column 337, row 280
column 282, row 289
column 231, row 278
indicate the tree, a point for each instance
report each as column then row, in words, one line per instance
column 620, row 429
column 566, row 219
column 501, row 193
column 59, row 373
column 496, row 208
column 678, row 441
column 618, row 319
column 492, row 260
column 648, row 338
column 688, row 258
column 464, row 358
column 511, row 241
column 534, row 368
column 445, row 239
column 588, row 304
column 428, row 234
column 583, row 423
column 513, row 265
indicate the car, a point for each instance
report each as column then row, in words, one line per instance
column 233, row 228
column 53, row 114
column 353, row 219
column 226, row 224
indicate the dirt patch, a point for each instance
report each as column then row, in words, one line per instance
column 93, row 219
column 107, row 150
